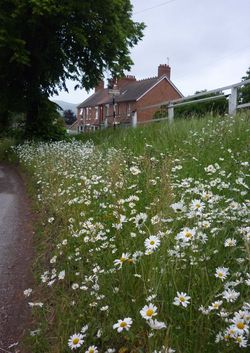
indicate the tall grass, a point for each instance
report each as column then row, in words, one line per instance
column 141, row 225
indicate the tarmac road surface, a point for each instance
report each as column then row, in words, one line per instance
column 15, row 258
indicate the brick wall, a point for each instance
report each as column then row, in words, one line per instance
column 163, row 91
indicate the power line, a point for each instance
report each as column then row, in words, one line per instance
column 154, row 7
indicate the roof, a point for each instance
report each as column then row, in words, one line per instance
column 130, row 92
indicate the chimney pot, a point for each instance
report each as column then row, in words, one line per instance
column 100, row 86
column 164, row 70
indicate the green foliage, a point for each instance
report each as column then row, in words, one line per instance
column 48, row 125
column 199, row 109
column 244, row 92
column 6, row 151
column 69, row 117
column 45, row 42
column 213, row 107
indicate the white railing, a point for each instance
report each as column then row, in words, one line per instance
column 170, row 105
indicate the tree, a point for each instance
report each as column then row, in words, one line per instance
column 244, row 92
column 45, row 42
column 69, row 117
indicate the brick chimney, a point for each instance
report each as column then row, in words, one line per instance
column 125, row 80
column 100, row 86
column 164, row 70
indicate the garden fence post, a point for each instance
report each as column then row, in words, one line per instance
column 232, row 102
column 170, row 112
column 105, row 123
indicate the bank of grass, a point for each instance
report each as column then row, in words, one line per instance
column 130, row 220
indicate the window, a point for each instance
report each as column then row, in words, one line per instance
column 128, row 109
column 106, row 110
column 96, row 113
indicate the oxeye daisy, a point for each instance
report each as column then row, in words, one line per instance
column 240, row 326
column 75, row 341
column 140, row 219
column 156, row 325
column 119, row 262
column 124, row 324
column 152, row 242
column 181, row 299
column 92, row 349
column 148, row 311
column 230, row 242
column 221, row 272
column 186, row 235
column 197, row 205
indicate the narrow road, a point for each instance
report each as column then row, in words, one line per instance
column 15, row 258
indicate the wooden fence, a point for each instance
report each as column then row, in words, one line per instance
column 170, row 105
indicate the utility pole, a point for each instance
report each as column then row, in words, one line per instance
column 114, row 91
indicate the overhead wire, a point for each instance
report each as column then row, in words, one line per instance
column 154, row 7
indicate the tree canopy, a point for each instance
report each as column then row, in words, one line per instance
column 45, row 42
column 244, row 92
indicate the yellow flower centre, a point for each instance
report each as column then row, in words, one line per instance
column 181, row 299
column 123, row 324
column 240, row 325
column 76, row 340
column 216, row 306
column 152, row 242
column 220, row 274
column 188, row 235
column 122, row 259
column 149, row 312
column 91, row 350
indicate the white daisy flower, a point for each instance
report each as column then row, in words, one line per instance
column 241, row 341
column 140, row 219
column 124, row 324
column 186, row 235
column 222, row 272
column 152, row 243
column 181, row 299
column 178, row 206
column 197, row 205
column 27, row 292
column 92, row 349
column 230, row 295
column 230, row 242
column 61, row 275
column 215, row 305
column 240, row 325
column 156, row 325
column 75, row 341
column 148, row 311
column 119, row 262
column 134, row 170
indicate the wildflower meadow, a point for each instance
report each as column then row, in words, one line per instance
column 143, row 241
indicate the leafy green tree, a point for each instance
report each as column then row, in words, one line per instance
column 244, row 92
column 45, row 42
column 69, row 117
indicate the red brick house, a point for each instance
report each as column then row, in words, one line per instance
column 98, row 110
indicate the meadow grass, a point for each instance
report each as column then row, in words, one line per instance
column 144, row 239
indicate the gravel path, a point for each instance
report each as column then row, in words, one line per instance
column 15, row 258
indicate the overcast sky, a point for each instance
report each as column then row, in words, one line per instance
column 207, row 43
